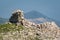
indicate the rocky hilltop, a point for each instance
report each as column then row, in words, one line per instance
column 19, row 28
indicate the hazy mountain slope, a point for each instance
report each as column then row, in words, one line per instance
column 3, row 20
column 38, row 17
column 33, row 14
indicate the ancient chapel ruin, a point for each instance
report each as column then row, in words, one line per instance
column 17, row 17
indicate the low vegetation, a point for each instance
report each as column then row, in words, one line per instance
column 10, row 27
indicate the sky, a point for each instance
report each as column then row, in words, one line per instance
column 50, row 8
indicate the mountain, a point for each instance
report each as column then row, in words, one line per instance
column 3, row 20
column 34, row 14
column 38, row 17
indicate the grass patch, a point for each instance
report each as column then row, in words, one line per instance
column 10, row 27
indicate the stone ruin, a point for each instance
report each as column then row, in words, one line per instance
column 17, row 17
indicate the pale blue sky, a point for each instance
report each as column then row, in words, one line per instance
column 51, row 8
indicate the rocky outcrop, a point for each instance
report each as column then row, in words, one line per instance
column 17, row 17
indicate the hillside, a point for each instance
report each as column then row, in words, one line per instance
column 13, row 32
column 19, row 28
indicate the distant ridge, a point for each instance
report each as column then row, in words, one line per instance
column 3, row 20
column 33, row 14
